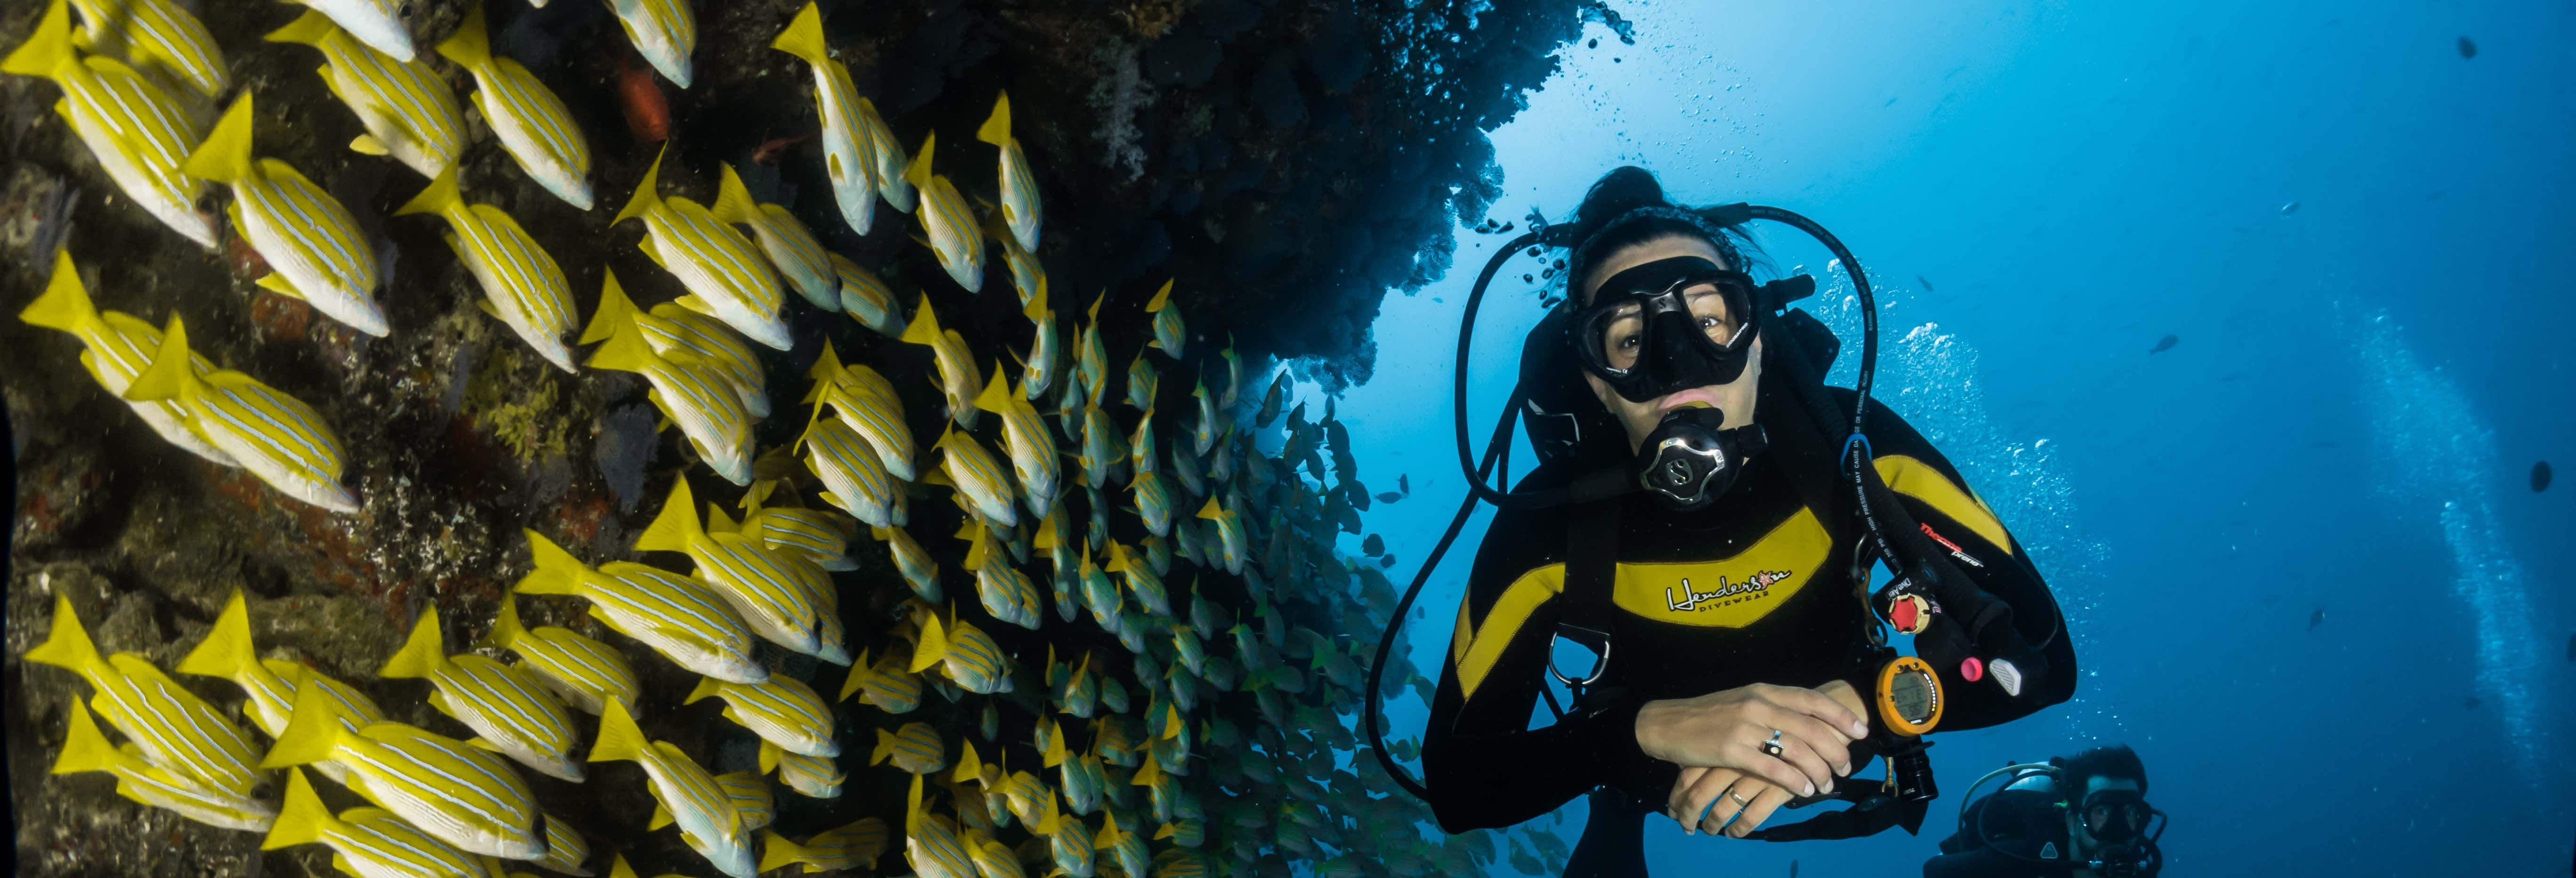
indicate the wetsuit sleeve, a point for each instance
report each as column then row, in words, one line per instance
column 1986, row 552
column 1484, row 765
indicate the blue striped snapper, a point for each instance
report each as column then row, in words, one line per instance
column 811, row 776
column 866, row 297
column 849, row 148
column 892, row 185
column 819, row 535
column 885, row 685
column 1141, row 581
column 405, row 106
column 854, row 477
column 85, row 749
column 1055, row 537
column 1082, row 779
column 1187, row 647
column 1006, row 593
column 751, row 799
column 663, row 32
column 992, row 859
column 787, row 600
column 114, row 349
column 954, row 235
column 931, row 844
column 376, row 23
column 513, row 712
column 678, row 617
column 687, row 794
column 1182, row 862
column 1127, row 847
column 463, row 795
column 1206, row 431
column 1030, row 444
column 672, row 330
column 1221, row 463
column 159, row 35
column 1186, row 833
column 275, row 436
column 915, row 748
column 790, row 248
column 313, row 246
column 850, row 846
column 1081, row 696
column 1099, row 594
column 965, row 465
column 959, row 375
column 1026, row 797
column 585, row 673
column 1162, row 789
column 1140, row 446
column 227, row 652
column 1142, row 381
column 1102, row 453
column 1187, row 543
column 1045, row 350
column 522, row 285
column 919, row 571
column 1229, row 528
column 962, row 653
column 139, row 133
column 690, row 393
column 369, row 842
column 1233, row 390
column 1169, row 334
column 1091, row 356
column 1158, row 552
column 566, row 850
column 1027, row 275
column 1153, row 500
column 1069, row 842
column 783, row 711
column 1185, row 466
column 725, row 275
column 534, row 126
column 1019, row 186
column 866, row 402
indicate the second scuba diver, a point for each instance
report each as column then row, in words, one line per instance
column 1743, row 664
column 2084, row 816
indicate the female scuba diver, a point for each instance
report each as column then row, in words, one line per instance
column 1704, row 534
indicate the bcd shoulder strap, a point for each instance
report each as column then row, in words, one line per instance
column 1591, row 569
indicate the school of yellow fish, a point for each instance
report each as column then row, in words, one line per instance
column 1189, row 718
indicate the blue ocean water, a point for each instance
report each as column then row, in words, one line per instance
column 2353, row 232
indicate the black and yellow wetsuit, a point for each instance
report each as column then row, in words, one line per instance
column 1758, row 588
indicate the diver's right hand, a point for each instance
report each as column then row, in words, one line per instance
column 1727, row 729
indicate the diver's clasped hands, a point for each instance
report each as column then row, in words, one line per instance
column 1746, row 751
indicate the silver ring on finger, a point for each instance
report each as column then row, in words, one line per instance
column 1772, row 747
column 1739, row 798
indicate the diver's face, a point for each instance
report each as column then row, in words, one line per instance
column 1735, row 398
column 2098, row 818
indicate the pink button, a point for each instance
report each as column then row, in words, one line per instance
column 1972, row 669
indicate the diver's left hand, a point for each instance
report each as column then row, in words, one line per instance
column 1704, row 800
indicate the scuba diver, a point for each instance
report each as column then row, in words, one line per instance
column 1700, row 521
column 2085, row 815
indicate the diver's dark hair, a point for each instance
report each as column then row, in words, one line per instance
column 1626, row 207
column 2115, row 761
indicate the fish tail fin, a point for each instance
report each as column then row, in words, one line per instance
column 857, row 679
column 65, row 304
column 49, row 49
column 677, row 525
column 312, row 731
column 827, row 366
column 1167, row 831
column 647, row 193
column 886, row 742
column 933, row 644
column 1211, row 511
column 619, row 739
column 615, row 310
column 619, row 869
column 924, row 328
column 803, row 38
column 437, row 198
column 733, row 200
column 997, row 128
column 996, row 397
column 918, row 173
column 421, row 653
column 170, row 373
column 768, row 756
column 912, row 812
column 84, row 748
column 557, row 571
column 706, row 687
column 224, row 157
column 969, row 766
column 470, row 47
column 506, row 629
column 301, row 819
column 775, row 849
column 1161, row 299
column 624, row 352
column 308, row 29
column 68, row 645
column 226, row 652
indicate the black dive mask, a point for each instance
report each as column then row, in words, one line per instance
column 1668, row 325
column 1689, row 462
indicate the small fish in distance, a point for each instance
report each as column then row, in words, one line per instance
column 2468, row 48
column 2165, row 344
column 2539, row 476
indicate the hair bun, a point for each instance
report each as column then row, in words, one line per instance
column 1627, row 188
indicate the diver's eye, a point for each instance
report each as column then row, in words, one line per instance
column 1628, row 342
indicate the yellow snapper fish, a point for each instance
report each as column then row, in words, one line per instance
column 585, row 673
column 822, row 536
column 1127, row 847
column 1142, row 379
column 783, row 602
column 683, row 620
column 810, row 776
column 866, row 297
column 962, row 653
column 966, row 466
column 850, row 846
column 463, row 795
column 1168, row 332
column 1019, row 186
column 884, row 685
column 892, row 184
column 1185, row 465
column 311, row 242
column 566, row 851
column 522, row 285
column 915, row 749
column 1006, row 593
column 849, row 148
column 724, row 273
column 669, row 328
column 959, row 375
column 227, row 652
column 368, row 842
column 992, row 859
column 139, row 134
column 854, row 477
column 1026, row 273
column 1091, row 356
column 953, row 233
column 1069, row 841
column 1203, row 435
column 1233, row 376
column 114, row 349
column 1031, row 446
column 708, row 409
column 157, row 34
column 1039, row 368
column 513, row 712
column 685, row 793
column 1141, row 581
column 1101, row 451
column 377, row 23
column 919, row 572
column 790, row 248
column 663, row 32
column 1229, row 528
column 1186, row 833
column 750, row 794
column 534, row 126
column 1140, row 447
column 86, row 749
column 277, row 437
column 931, row 844
column 783, row 711
column 866, row 402
column 405, row 106
column 1153, row 500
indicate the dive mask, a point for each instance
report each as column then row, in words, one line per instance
column 2116, row 817
column 1688, row 462
column 1668, row 325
